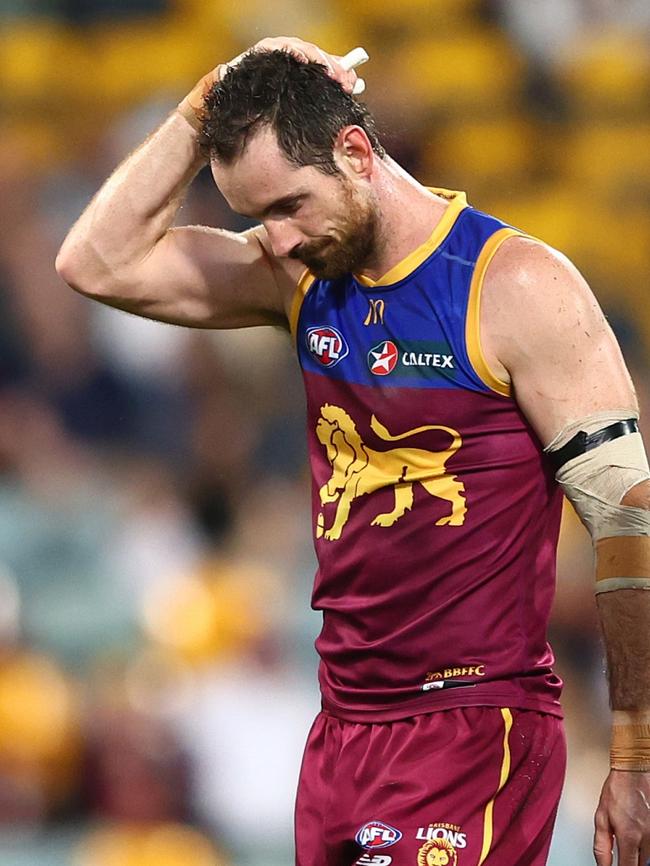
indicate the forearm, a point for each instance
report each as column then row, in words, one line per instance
column 132, row 211
column 625, row 620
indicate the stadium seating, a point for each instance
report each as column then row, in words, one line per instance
column 607, row 75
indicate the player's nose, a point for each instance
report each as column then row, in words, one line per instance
column 284, row 237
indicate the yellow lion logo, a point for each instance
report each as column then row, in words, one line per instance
column 358, row 470
column 437, row 852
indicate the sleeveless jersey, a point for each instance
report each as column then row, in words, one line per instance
column 435, row 515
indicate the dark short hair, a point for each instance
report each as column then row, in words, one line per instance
column 303, row 105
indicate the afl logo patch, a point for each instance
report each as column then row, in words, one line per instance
column 376, row 834
column 327, row 345
column 382, row 358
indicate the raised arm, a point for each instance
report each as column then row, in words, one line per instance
column 123, row 251
column 544, row 331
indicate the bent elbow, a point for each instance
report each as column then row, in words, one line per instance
column 73, row 270
column 64, row 265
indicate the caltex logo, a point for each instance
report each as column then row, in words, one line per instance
column 327, row 345
column 376, row 834
column 382, row 358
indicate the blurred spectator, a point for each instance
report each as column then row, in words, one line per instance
column 40, row 734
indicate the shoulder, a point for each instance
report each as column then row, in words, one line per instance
column 544, row 331
column 533, row 293
column 525, row 269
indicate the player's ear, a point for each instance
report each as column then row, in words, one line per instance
column 353, row 152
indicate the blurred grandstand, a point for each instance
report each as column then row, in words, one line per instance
column 157, row 677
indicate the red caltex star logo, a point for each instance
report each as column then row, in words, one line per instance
column 382, row 358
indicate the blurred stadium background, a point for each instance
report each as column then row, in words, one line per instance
column 157, row 676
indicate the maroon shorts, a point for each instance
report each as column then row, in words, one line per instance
column 461, row 787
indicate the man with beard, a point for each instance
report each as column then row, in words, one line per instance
column 418, row 321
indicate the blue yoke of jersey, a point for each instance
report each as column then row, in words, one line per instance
column 418, row 326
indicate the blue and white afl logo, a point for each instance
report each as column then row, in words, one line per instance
column 376, row 834
column 326, row 344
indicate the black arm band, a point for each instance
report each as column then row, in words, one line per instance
column 583, row 442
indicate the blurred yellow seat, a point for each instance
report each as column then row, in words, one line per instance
column 138, row 60
column 37, row 708
column 608, row 73
column 198, row 9
column 551, row 213
column 39, row 722
column 476, row 153
column 30, row 139
column 608, row 242
column 336, row 35
column 163, row 845
column 218, row 612
column 479, row 69
column 609, row 158
column 41, row 62
column 423, row 15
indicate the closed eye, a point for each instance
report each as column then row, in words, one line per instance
column 287, row 207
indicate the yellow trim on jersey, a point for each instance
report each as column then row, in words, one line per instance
column 457, row 203
column 503, row 778
column 473, row 324
column 302, row 287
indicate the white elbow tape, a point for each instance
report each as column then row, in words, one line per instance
column 595, row 482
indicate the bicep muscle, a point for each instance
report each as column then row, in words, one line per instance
column 208, row 278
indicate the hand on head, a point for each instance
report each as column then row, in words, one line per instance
column 307, row 52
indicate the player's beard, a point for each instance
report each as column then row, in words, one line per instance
column 353, row 242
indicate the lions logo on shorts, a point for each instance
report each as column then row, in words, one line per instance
column 437, row 852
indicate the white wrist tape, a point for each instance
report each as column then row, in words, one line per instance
column 351, row 60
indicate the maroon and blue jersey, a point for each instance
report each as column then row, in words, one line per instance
column 435, row 515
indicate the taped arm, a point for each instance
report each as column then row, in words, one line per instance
column 570, row 380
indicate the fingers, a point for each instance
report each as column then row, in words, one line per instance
column 345, row 76
column 623, row 816
column 352, row 60
column 626, row 847
column 628, row 853
column 307, row 52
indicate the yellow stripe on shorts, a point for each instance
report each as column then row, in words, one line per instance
column 503, row 778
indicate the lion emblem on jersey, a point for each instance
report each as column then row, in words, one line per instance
column 437, row 852
column 358, row 470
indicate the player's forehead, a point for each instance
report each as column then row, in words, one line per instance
column 261, row 175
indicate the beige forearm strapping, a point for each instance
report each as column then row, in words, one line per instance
column 630, row 742
column 596, row 482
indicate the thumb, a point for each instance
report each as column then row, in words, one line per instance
column 603, row 840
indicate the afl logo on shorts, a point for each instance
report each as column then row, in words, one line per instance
column 382, row 358
column 375, row 834
column 327, row 345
